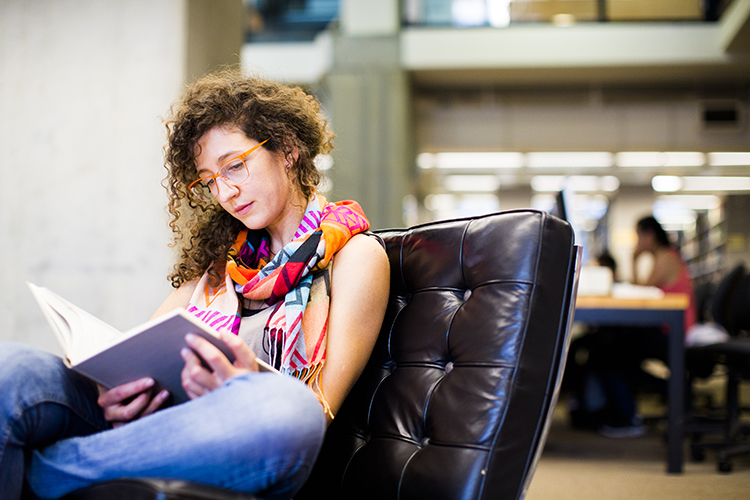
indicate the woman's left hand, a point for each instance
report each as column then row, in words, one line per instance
column 197, row 380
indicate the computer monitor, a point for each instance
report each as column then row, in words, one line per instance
column 563, row 208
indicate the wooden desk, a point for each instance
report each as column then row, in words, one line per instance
column 670, row 310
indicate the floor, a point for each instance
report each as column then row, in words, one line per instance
column 580, row 465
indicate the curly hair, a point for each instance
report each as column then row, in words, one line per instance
column 287, row 116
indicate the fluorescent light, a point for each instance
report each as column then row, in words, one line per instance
column 570, row 159
column 693, row 201
column 666, row 183
column 705, row 183
column 426, row 160
column 637, row 159
column 437, row 202
column 545, row 183
column 683, row 159
column 584, row 183
column 660, row 159
column 477, row 183
column 728, row 159
column 478, row 160
column 610, row 183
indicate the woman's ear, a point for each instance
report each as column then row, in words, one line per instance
column 291, row 158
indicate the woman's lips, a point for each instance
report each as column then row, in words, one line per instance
column 243, row 209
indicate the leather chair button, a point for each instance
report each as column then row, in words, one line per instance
column 467, row 294
column 449, row 367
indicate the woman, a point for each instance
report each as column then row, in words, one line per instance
column 264, row 259
column 670, row 273
column 621, row 352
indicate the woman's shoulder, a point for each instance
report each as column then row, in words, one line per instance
column 364, row 246
column 362, row 255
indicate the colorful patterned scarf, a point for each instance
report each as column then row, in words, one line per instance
column 296, row 281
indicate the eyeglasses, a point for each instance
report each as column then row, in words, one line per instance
column 234, row 171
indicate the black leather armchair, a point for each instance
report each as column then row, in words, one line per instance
column 456, row 399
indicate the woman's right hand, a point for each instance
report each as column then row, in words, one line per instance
column 131, row 401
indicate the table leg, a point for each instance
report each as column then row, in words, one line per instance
column 676, row 406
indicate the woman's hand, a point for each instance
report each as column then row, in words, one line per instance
column 130, row 401
column 197, row 380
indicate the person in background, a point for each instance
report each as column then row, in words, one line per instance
column 670, row 273
column 605, row 259
column 609, row 371
column 619, row 361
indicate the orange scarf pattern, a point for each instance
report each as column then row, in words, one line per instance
column 296, row 281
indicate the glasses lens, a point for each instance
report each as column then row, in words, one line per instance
column 235, row 172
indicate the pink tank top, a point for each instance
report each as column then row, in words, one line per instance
column 683, row 285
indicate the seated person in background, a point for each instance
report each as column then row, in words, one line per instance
column 605, row 259
column 612, row 371
column 270, row 263
column 670, row 273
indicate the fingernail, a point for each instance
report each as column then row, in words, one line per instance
column 164, row 394
column 149, row 382
column 190, row 337
column 184, row 352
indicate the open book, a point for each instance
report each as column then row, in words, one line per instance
column 111, row 358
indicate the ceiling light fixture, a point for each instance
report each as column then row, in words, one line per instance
column 585, row 159
column 728, row 159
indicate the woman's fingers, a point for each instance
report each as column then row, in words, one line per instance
column 195, row 378
column 117, row 395
column 213, row 357
column 244, row 356
column 117, row 408
column 155, row 403
column 125, row 413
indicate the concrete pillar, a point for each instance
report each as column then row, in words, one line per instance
column 215, row 35
column 370, row 108
column 84, row 85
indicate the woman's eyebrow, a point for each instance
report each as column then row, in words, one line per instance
column 228, row 156
column 221, row 161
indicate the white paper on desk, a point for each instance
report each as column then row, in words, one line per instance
column 629, row 291
column 594, row 281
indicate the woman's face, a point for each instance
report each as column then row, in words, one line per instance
column 646, row 240
column 266, row 196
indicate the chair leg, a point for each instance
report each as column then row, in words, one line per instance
column 735, row 431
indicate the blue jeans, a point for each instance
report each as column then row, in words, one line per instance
column 257, row 433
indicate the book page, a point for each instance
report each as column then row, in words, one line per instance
column 81, row 334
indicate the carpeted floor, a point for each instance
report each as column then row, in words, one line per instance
column 583, row 465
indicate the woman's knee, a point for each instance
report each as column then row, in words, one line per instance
column 286, row 407
column 19, row 361
column 29, row 375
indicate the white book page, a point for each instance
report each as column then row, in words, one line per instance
column 82, row 334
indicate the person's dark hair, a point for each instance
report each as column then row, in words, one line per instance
column 651, row 225
column 605, row 259
column 287, row 116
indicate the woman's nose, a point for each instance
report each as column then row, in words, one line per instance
column 227, row 190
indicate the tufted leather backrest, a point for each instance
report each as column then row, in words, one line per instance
column 454, row 400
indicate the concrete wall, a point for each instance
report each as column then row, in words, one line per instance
column 582, row 119
column 83, row 87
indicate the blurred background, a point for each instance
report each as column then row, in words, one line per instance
column 442, row 108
